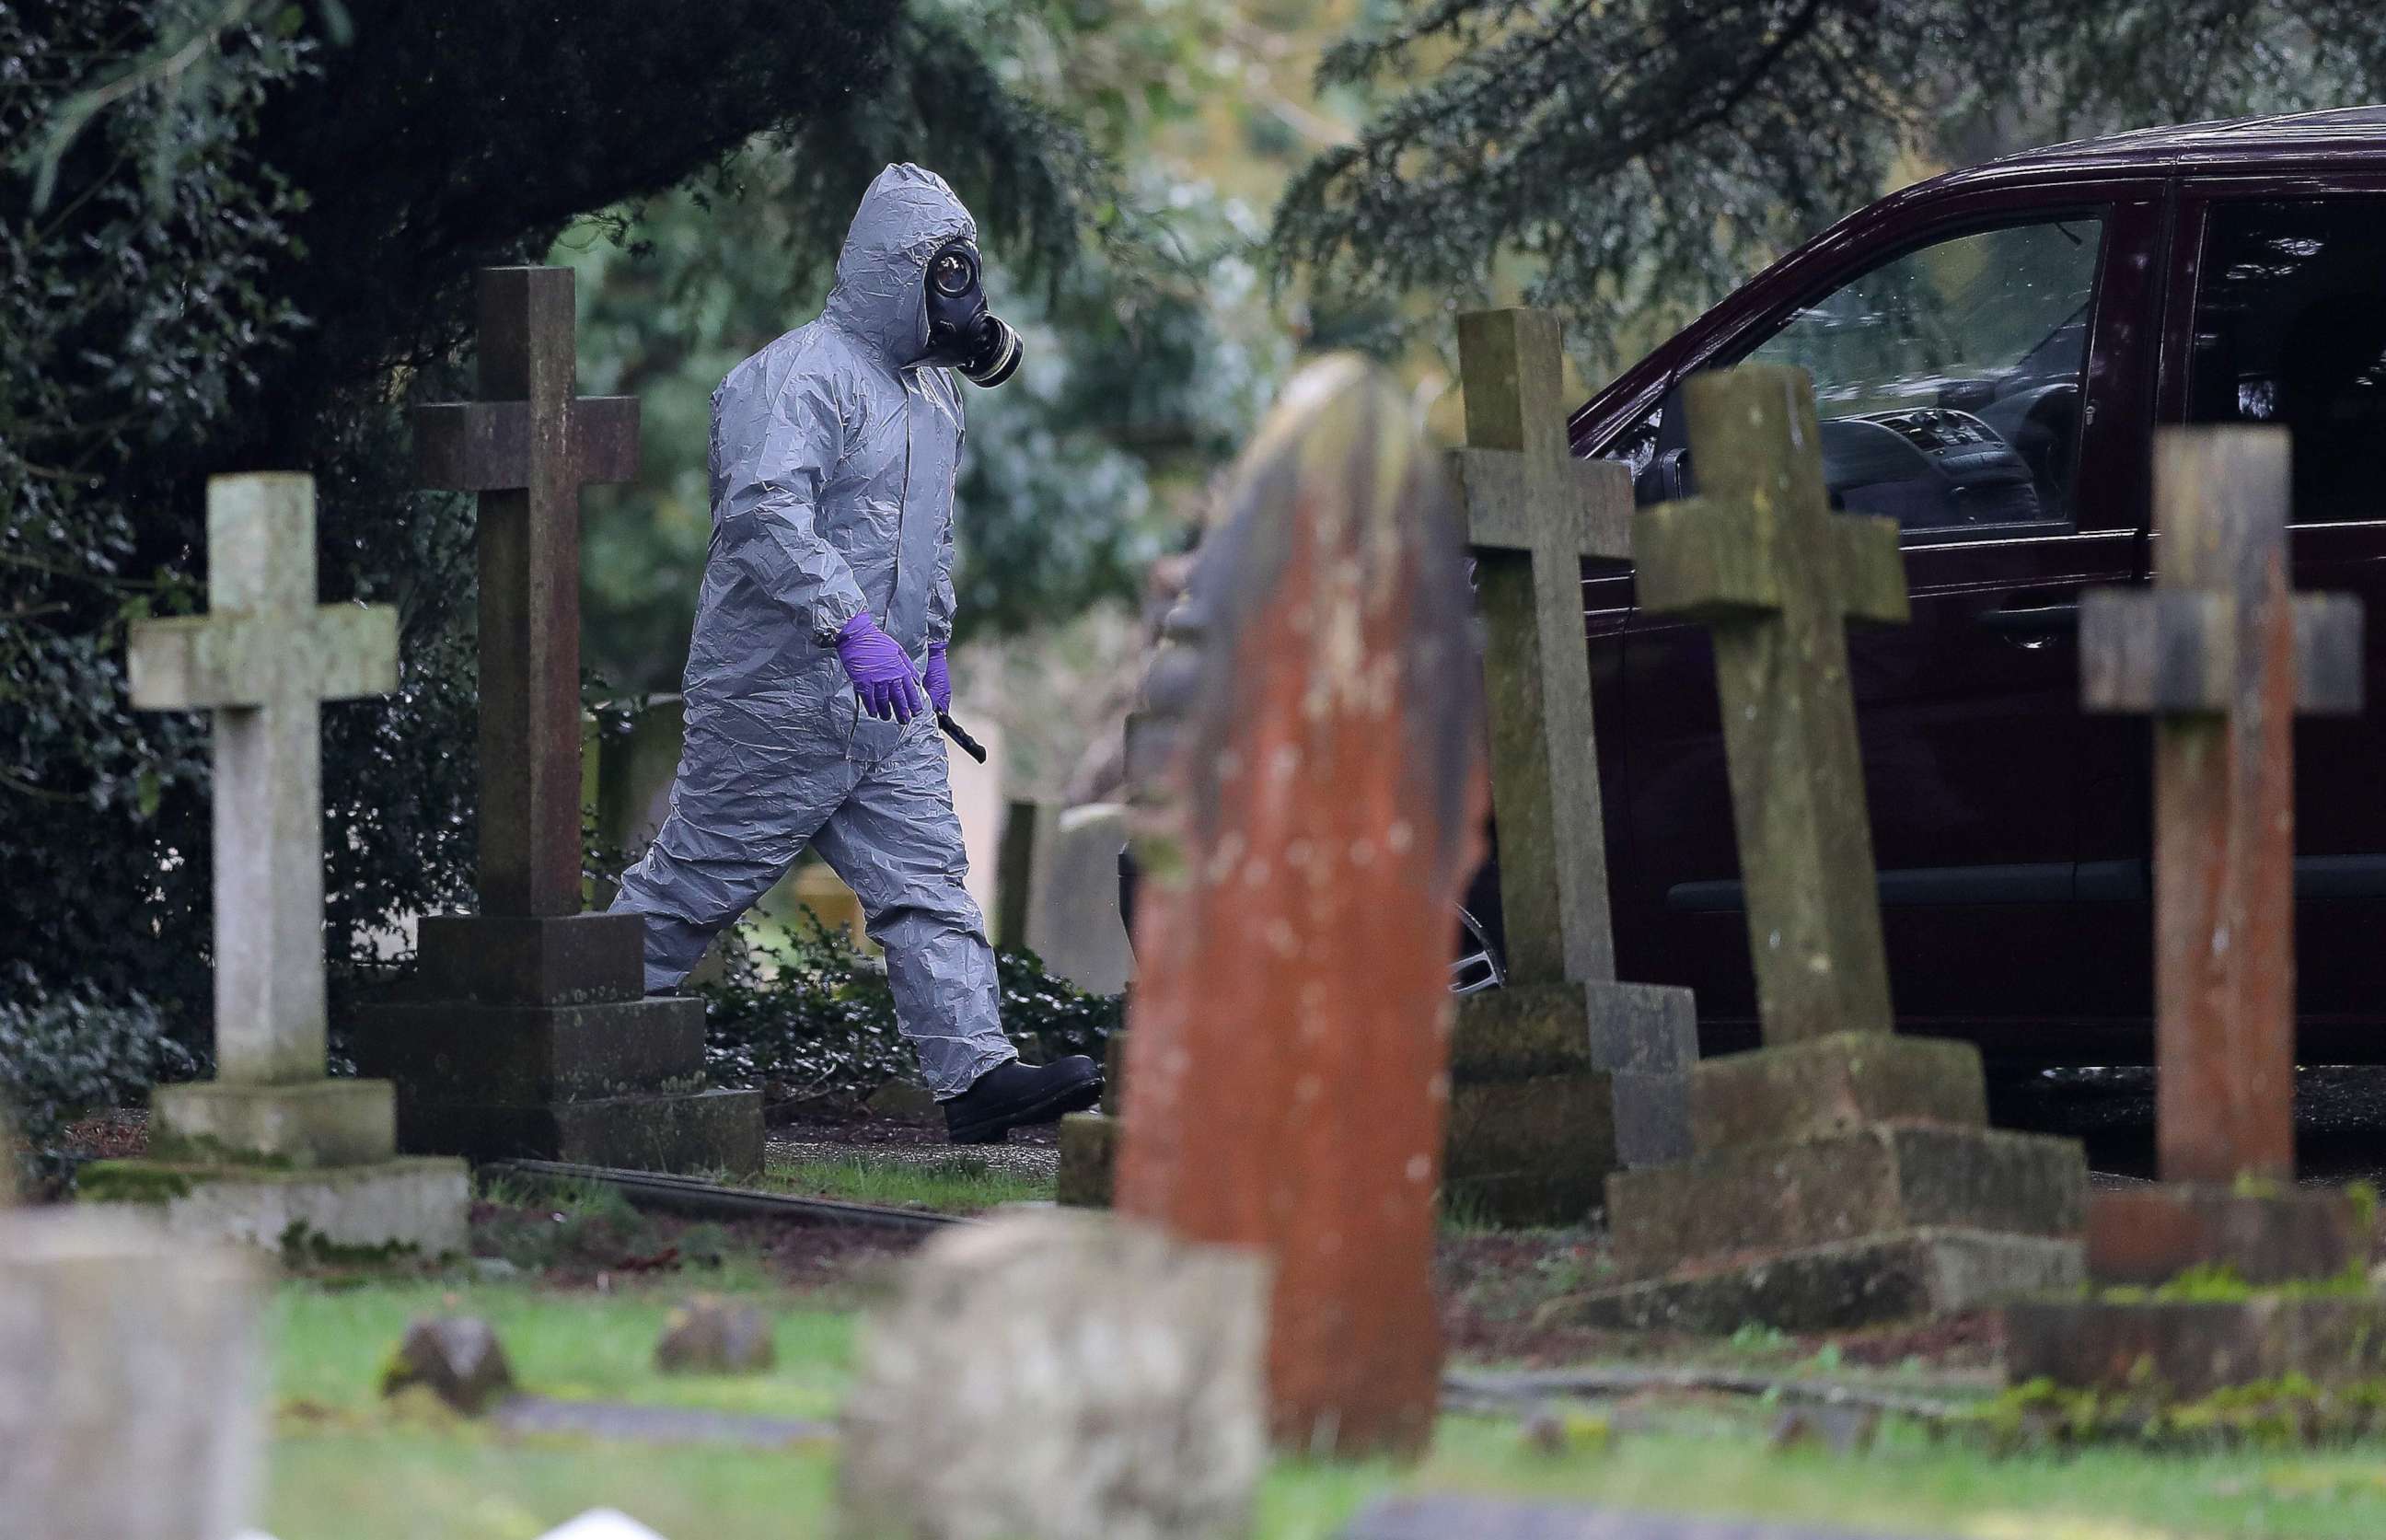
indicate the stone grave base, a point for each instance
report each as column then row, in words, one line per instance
column 1089, row 1141
column 1088, row 1160
column 1834, row 1286
column 686, row 1131
column 2149, row 1235
column 317, row 1122
column 1552, row 1086
column 531, row 1037
column 2189, row 1349
column 1843, row 1180
column 408, row 1205
column 1881, row 1180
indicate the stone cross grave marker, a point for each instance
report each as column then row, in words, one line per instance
column 2223, row 656
column 1775, row 573
column 1841, row 1174
column 527, row 446
column 531, row 1035
column 1290, row 1046
column 263, row 660
column 1565, row 1070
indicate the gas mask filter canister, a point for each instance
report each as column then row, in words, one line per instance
column 962, row 334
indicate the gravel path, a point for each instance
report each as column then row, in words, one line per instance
column 1029, row 1161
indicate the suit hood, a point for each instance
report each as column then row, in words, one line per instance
column 880, row 295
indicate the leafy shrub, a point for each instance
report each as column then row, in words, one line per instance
column 65, row 1053
column 812, row 1018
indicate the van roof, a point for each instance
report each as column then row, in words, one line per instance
column 2333, row 134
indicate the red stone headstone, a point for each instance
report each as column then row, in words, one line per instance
column 1324, row 792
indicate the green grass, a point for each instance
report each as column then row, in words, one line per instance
column 347, row 1465
column 951, row 1184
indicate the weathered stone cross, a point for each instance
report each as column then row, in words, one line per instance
column 1763, row 559
column 1532, row 513
column 263, row 660
column 1840, row 1174
column 527, row 448
column 1565, row 1071
column 2223, row 656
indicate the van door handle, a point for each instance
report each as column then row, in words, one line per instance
column 2037, row 622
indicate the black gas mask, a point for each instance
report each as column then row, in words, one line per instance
column 962, row 334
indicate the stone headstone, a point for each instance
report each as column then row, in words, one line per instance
column 1288, row 1062
column 1062, row 1375
column 1060, row 891
column 2223, row 656
column 529, row 1034
column 273, row 1149
column 456, row 1358
column 712, row 1336
column 131, row 1381
column 1841, row 1174
column 1565, row 1073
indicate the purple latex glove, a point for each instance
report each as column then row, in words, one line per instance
column 939, row 682
column 882, row 676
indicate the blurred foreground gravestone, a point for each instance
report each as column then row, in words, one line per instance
column 1289, row 1064
column 1564, row 1073
column 2223, row 656
column 1841, row 1174
column 272, row 1151
column 529, row 1032
column 1066, row 1376
column 131, row 1381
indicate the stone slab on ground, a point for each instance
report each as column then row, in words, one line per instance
column 1088, row 1160
column 697, row 1131
column 646, row 1424
column 2189, row 1349
column 1447, row 1517
column 1845, row 1285
column 412, row 1205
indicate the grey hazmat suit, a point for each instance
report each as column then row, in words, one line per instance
column 835, row 451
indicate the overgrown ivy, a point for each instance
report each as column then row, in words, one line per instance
column 811, row 1019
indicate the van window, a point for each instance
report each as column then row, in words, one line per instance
column 2290, row 329
column 1949, row 379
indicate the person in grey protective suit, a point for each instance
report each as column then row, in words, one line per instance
column 816, row 676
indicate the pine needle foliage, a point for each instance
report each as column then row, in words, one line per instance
column 1631, row 159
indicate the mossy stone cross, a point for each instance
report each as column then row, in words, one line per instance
column 1761, row 557
column 263, row 660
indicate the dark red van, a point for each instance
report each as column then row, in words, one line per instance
column 1991, row 351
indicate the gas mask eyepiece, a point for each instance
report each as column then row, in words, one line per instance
column 962, row 333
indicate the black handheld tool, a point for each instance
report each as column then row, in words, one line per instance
column 958, row 734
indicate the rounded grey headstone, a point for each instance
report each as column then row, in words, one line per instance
column 1063, row 1375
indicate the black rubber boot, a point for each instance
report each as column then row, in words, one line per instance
column 1015, row 1095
